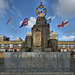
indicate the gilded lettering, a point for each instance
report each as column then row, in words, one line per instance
column 22, row 55
column 47, row 56
column 55, row 56
column 40, row 56
column 33, row 56
column 19, row 56
column 15, row 55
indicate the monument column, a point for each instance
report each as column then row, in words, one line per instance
column 40, row 31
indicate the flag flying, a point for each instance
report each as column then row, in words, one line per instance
column 24, row 23
column 63, row 24
column 49, row 20
column 9, row 20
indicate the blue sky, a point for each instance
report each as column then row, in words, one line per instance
column 60, row 10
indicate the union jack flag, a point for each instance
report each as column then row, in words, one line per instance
column 24, row 23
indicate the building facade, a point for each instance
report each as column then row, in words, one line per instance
column 10, row 46
column 3, row 38
column 16, row 45
column 63, row 46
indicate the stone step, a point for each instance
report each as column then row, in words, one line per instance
column 37, row 73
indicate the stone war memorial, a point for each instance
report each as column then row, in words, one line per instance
column 40, row 40
column 39, row 54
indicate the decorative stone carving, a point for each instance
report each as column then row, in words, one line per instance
column 37, row 38
column 41, row 11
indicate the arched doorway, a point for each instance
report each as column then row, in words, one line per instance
column 15, row 50
column 6, row 50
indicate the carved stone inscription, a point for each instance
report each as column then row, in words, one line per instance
column 37, row 38
column 37, row 62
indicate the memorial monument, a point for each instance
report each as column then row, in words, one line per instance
column 38, row 54
column 40, row 40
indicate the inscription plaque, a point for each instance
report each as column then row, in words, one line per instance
column 37, row 38
column 37, row 62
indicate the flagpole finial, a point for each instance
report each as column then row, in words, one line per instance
column 41, row 2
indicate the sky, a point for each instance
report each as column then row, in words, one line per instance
column 59, row 10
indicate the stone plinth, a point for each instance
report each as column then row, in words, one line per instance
column 37, row 62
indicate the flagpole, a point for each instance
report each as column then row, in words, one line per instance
column 68, row 36
column 51, row 23
column 10, row 34
column 27, row 27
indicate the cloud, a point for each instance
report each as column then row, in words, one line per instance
column 21, row 22
column 2, row 16
column 65, row 38
column 31, row 22
column 4, row 5
column 17, row 11
column 66, row 8
column 11, row 36
column 73, row 33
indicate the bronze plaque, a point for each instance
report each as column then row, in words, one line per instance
column 37, row 38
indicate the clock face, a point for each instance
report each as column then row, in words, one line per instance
column 41, row 11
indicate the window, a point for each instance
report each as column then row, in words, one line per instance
column 71, row 46
column 2, row 38
column 19, row 45
column 65, row 50
column 60, row 45
column 11, row 45
column 74, row 50
column 7, row 45
column 63, row 46
column 2, row 45
column 61, row 50
column 11, row 50
column 2, row 50
column 15, row 45
column 18, row 50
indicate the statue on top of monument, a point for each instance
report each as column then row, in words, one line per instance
column 41, row 10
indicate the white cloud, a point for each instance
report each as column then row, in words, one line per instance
column 4, row 5
column 31, row 22
column 11, row 36
column 21, row 22
column 65, row 38
column 2, row 16
column 73, row 33
column 66, row 8
column 17, row 11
